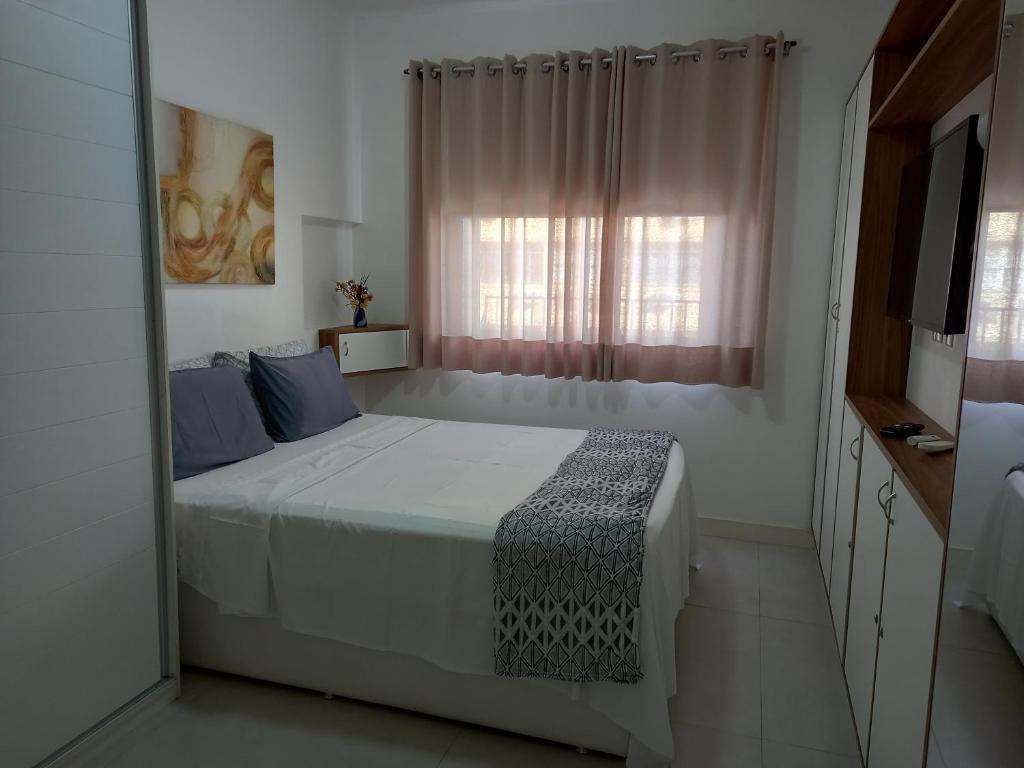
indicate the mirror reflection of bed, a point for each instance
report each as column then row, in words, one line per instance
column 978, row 704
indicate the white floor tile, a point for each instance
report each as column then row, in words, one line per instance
column 776, row 755
column 727, row 577
column 791, row 584
column 971, row 626
column 804, row 694
column 242, row 723
column 719, row 669
column 977, row 708
column 483, row 748
column 698, row 747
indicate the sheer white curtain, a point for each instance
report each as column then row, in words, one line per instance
column 609, row 221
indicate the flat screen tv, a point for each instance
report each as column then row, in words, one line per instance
column 935, row 232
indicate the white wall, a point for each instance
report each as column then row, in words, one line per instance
column 326, row 257
column 79, row 597
column 751, row 453
column 934, row 376
column 280, row 67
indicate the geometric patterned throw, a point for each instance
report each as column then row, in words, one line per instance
column 568, row 563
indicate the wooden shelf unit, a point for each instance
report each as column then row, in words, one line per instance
column 930, row 56
column 912, row 23
column 326, row 333
column 958, row 55
column 928, row 477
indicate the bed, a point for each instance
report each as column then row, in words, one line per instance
column 997, row 568
column 358, row 562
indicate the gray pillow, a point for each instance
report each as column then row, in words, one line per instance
column 240, row 358
column 301, row 396
column 214, row 421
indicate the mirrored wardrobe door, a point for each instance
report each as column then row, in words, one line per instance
column 978, row 701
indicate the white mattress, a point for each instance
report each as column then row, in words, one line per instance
column 380, row 534
column 997, row 568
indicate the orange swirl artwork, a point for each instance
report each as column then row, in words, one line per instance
column 216, row 198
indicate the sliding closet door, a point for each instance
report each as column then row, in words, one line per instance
column 80, row 595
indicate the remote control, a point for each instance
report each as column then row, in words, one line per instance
column 918, row 439
column 903, row 429
column 937, row 446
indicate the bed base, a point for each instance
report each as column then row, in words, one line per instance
column 262, row 649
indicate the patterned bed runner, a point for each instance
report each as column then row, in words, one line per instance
column 568, row 563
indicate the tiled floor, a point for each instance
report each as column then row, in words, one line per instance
column 759, row 686
column 978, row 706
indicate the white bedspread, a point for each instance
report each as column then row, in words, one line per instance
column 380, row 534
column 997, row 568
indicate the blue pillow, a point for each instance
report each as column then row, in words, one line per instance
column 301, row 396
column 214, row 421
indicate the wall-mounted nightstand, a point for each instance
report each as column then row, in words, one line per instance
column 373, row 349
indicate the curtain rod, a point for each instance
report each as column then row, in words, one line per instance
column 547, row 66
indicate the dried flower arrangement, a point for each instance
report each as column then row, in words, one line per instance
column 358, row 296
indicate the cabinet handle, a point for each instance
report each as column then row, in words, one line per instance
column 878, row 495
column 834, row 311
column 887, row 510
column 853, row 455
column 875, row 618
column 344, row 349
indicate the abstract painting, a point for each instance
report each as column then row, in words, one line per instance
column 216, row 198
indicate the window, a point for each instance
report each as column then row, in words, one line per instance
column 666, row 262
column 999, row 289
column 536, row 278
column 610, row 222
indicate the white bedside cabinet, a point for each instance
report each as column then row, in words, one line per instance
column 373, row 349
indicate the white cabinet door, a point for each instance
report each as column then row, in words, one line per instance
column 374, row 351
column 910, row 604
column 866, row 584
column 843, row 309
column 830, row 318
column 846, row 507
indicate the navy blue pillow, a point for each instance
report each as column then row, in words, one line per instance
column 214, row 421
column 301, row 396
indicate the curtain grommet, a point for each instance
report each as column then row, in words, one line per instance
column 722, row 55
column 698, row 58
column 455, row 72
column 743, row 53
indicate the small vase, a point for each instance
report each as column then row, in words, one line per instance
column 359, row 318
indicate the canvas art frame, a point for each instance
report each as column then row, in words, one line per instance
column 216, row 198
